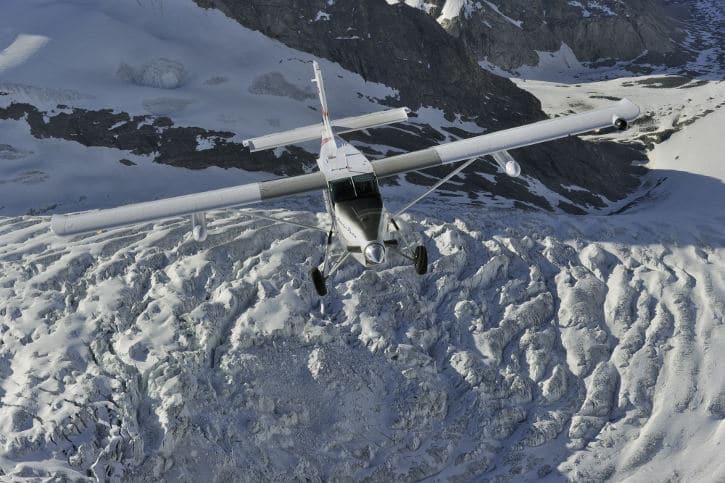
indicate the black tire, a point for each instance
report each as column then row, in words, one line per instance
column 421, row 260
column 319, row 281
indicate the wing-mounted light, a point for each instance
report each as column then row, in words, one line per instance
column 619, row 123
column 198, row 226
column 513, row 169
column 507, row 163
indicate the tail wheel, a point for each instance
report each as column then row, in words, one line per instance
column 421, row 260
column 319, row 281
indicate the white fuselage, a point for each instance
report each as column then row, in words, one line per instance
column 354, row 201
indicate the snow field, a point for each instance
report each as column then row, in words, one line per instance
column 526, row 345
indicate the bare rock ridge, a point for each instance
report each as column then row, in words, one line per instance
column 509, row 33
column 154, row 135
column 408, row 50
column 397, row 46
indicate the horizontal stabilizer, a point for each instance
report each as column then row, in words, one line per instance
column 339, row 126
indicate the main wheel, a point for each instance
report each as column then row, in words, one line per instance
column 319, row 281
column 421, row 260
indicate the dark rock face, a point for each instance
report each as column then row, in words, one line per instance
column 148, row 135
column 396, row 45
column 408, row 50
column 605, row 29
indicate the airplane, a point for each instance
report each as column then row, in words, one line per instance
column 349, row 182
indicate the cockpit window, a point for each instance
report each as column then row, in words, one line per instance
column 360, row 186
column 366, row 185
column 342, row 190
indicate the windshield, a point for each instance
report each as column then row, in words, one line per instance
column 360, row 186
column 342, row 190
column 365, row 185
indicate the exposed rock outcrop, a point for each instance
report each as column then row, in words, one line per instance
column 509, row 33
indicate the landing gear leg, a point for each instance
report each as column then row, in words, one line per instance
column 420, row 254
column 319, row 278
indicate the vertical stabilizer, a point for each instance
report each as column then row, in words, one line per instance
column 328, row 139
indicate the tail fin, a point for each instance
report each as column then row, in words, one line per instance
column 327, row 136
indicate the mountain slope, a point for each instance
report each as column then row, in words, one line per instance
column 588, row 39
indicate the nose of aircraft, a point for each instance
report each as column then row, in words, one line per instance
column 375, row 253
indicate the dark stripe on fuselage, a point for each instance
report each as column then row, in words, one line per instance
column 402, row 163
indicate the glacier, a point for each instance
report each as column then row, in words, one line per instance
column 556, row 346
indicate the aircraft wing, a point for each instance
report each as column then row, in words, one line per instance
column 75, row 223
column 618, row 114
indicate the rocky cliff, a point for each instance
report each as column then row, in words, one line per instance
column 510, row 33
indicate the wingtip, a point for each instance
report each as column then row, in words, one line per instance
column 57, row 224
column 631, row 111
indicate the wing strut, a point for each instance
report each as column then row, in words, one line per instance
column 505, row 162
column 440, row 183
column 280, row 220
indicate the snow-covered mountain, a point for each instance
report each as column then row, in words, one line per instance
column 588, row 39
column 540, row 345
